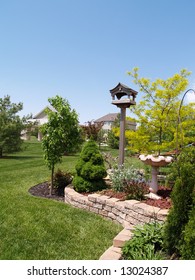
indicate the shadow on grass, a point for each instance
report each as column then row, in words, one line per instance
column 19, row 157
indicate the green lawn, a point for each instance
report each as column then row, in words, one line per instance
column 38, row 228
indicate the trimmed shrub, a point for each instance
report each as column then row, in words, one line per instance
column 188, row 246
column 90, row 169
column 182, row 199
column 61, row 180
column 146, row 243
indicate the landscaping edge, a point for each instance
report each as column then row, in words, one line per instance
column 128, row 213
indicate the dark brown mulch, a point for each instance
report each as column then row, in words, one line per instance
column 164, row 203
column 42, row 190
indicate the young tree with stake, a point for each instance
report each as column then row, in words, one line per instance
column 61, row 134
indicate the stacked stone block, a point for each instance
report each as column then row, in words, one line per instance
column 127, row 213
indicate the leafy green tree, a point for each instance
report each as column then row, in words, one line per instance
column 11, row 126
column 157, row 114
column 61, row 134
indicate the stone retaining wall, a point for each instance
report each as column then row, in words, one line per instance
column 127, row 213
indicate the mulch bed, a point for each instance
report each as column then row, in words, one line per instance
column 163, row 192
column 42, row 190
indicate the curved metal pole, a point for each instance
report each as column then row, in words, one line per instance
column 179, row 120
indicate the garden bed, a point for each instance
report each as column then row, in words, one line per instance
column 163, row 192
column 42, row 190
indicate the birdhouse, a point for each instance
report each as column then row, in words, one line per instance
column 125, row 96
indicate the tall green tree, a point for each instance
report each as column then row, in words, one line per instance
column 157, row 114
column 11, row 126
column 61, row 134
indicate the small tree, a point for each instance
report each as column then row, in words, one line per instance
column 90, row 169
column 61, row 134
column 11, row 126
column 92, row 129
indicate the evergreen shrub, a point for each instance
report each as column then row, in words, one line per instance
column 90, row 169
column 188, row 246
column 183, row 203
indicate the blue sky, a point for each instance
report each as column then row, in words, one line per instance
column 80, row 49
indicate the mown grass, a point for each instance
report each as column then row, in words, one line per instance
column 38, row 228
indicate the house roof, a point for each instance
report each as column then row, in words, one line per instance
column 42, row 113
column 108, row 118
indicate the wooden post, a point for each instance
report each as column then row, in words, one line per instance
column 122, row 136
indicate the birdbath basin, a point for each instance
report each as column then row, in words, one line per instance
column 155, row 162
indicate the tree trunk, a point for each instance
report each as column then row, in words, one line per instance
column 52, row 177
column 1, row 152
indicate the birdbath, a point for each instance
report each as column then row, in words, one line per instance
column 155, row 162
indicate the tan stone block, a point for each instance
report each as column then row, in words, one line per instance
column 116, row 249
column 89, row 203
column 127, row 232
column 115, row 211
column 69, row 190
column 83, row 206
column 103, row 212
column 92, row 209
column 81, row 199
column 110, row 254
column 93, row 197
column 102, row 199
column 120, row 205
column 108, row 208
column 111, row 201
column 120, row 240
column 127, row 225
column 143, row 219
column 97, row 205
column 119, row 219
column 162, row 214
column 149, row 210
column 131, row 203
column 122, row 215
column 132, row 220
column 112, row 215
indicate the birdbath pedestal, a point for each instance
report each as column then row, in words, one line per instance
column 155, row 162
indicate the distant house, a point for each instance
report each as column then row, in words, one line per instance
column 42, row 118
column 109, row 119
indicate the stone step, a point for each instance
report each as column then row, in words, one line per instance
column 112, row 253
column 121, row 238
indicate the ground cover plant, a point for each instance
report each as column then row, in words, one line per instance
column 37, row 228
column 146, row 243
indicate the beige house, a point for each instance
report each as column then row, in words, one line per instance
column 42, row 118
column 109, row 119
